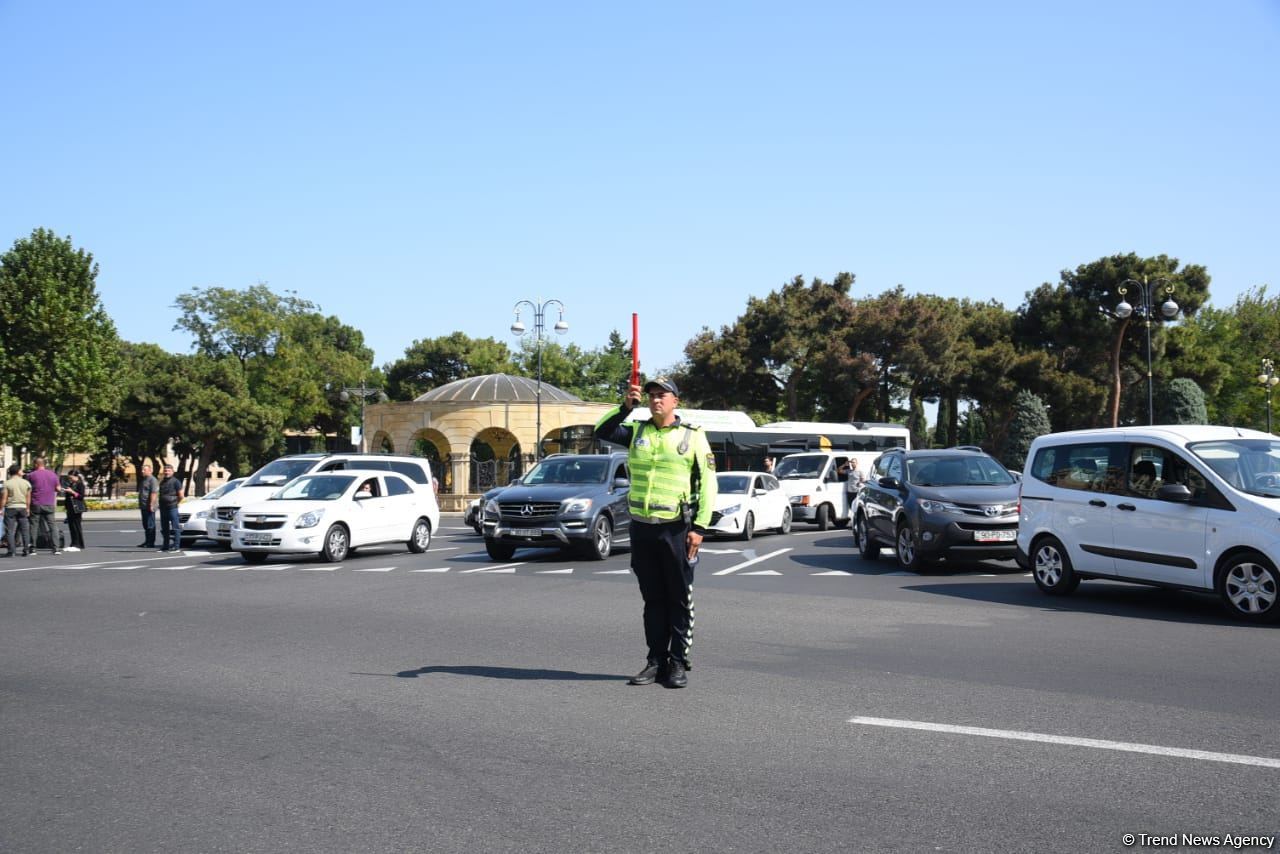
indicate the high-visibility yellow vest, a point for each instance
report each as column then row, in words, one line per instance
column 672, row 469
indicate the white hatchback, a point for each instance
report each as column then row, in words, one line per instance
column 195, row 513
column 1189, row 507
column 748, row 501
column 331, row 514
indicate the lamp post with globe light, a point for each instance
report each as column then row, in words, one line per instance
column 1146, row 310
column 1268, row 380
column 539, row 335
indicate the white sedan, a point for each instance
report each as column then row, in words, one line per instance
column 748, row 501
column 194, row 513
column 331, row 513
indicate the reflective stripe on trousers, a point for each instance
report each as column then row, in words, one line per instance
column 659, row 560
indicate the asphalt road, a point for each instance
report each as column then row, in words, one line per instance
column 443, row 702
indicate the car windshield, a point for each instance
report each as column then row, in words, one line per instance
column 572, row 470
column 732, row 484
column 798, row 466
column 224, row 489
column 316, row 487
column 1250, row 465
column 975, row 470
column 277, row 472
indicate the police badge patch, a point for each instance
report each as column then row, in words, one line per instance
column 711, row 462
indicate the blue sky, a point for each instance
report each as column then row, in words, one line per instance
column 416, row 168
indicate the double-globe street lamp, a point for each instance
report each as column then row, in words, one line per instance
column 1268, row 380
column 1146, row 310
column 539, row 335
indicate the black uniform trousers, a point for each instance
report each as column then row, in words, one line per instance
column 659, row 558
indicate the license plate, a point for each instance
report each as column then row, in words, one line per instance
column 995, row 536
column 526, row 532
column 255, row 539
column 224, row 529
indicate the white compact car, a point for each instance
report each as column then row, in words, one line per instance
column 330, row 514
column 749, row 501
column 194, row 513
column 1184, row 506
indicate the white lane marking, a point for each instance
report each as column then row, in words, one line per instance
column 25, row 569
column 270, row 567
column 374, row 569
column 502, row 570
column 195, row 553
column 212, row 568
column 721, row 551
column 445, row 549
column 613, row 572
column 748, row 563
column 132, row 566
column 568, row 571
column 168, row 568
column 1128, row 747
column 436, row 569
column 490, row 568
column 763, row 572
column 329, row 568
column 833, row 572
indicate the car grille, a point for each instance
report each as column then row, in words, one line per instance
column 183, row 517
column 980, row 511
column 520, row 512
column 264, row 523
column 226, row 514
column 716, row 516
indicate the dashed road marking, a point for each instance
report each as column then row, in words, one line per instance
column 374, row 569
column 614, row 572
column 492, row 568
column 762, row 572
column 171, row 568
column 1071, row 741
column 834, row 572
column 433, row 569
column 568, row 571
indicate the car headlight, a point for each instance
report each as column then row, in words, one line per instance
column 575, row 505
column 491, row 508
column 930, row 506
column 203, row 514
column 309, row 520
column 731, row 509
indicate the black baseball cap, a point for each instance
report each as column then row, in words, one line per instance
column 662, row 383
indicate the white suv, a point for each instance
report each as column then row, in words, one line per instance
column 1189, row 507
column 264, row 483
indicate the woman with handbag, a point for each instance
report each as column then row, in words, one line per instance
column 73, row 497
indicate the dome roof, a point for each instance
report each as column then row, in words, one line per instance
column 496, row 388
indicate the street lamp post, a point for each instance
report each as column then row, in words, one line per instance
column 539, row 335
column 1146, row 310
column 1268, row 380
column 365, row 393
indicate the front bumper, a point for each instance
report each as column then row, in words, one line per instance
column 944, row 536
column 727, row 525
column 286, row 540
column 558, row 532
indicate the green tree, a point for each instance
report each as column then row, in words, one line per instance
column 1181, row 402
column 57, row 347
column 432, row 362
column 1030, row 419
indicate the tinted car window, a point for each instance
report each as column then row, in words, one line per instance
column 732, row 484
column 368, row 465
column 396, row 486
column 1250, row 465
column 957, row 471
column 769, row 482
column 279, row 471
column 796, row 467
column 1088, row 468
column 416, row 472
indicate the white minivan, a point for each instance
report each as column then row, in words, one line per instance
column 815, row 486
column 1183, row 506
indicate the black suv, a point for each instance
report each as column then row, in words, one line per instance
column 571, row 500
column 958, row 504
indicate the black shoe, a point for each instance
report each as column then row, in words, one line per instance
column 647, row 676
column 676, row 676
column 144, row 546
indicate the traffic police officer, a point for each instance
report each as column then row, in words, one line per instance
column 673, row 491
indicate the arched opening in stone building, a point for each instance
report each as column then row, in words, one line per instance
column 495, row 459
column 382, row 443
column 433, row 445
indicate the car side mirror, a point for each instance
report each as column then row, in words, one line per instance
column 757, row 492
column 888, row 482
column 361, row 496
column 1173, row 492
column 621, row 483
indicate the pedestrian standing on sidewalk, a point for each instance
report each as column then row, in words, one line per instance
column 45, row 486
column 73, row 493
column 148, row 489
column 170, row 492
column 673, row 491
column 17, row 511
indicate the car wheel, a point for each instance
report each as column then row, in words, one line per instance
column 420, row 539
column 337, row 543
column 601, row 542
column 824, row 517
column 499, row 550
column 254, row 557
column 1247, row 584
column 785, row 527
column 748, row 526
column 908, row 555
column 1051, row 568
column 867, row 548
column 479, row 528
